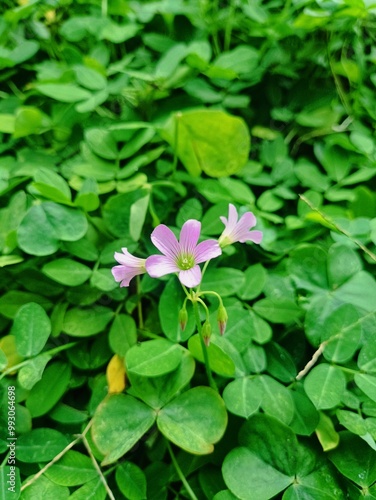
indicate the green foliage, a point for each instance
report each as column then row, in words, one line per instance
column 118, row 116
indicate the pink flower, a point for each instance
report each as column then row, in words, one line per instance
column 130, row 267
column 238, row 230
column 181, row 256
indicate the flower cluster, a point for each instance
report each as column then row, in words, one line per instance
column 184, row 256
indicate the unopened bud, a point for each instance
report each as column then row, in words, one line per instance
column 222, row 318
column 183, row 318
column 206, row 332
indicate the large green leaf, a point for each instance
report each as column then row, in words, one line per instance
column 72, row 469
column 31, row 329
column 306, row 417
column 276, row 400
column 84, row 322
column 102, row 142
column 40, row 445
column 63, row 92
column 359, row 290
column 355, row 459
column 342, row 332
column 32, row 372
column 275, row 443
column 321, row 483
column 119, row 422
column 48, row 391
column 157, row 391
column 195, row 420
column 281, row 310
column 255, row 279
column 224, row 280
column 154, row 358
column 46, row 224
column 92, row 490
column 243, row 396
column 67, row 271
column 122, row 210
column 367, row 383
column 219, row 361
column 307, row 267
column 343, row 263
column 325, row 385
column 131, row 481
column 249, row 477
column 123, row 334
column 45, row 488
column 207, row 140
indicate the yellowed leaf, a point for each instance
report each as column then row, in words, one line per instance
column 8, row 346
column 115, row 374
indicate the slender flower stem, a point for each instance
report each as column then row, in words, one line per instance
column 216, row 294
column 152, row 211
column 202, row 273
column 139, row 304
column 189, row 296
column 205, row 307
column 211, row 380
column 180, row 472
column 176, row 137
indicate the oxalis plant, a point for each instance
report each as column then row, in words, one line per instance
column 158, row 369
column 252, row 376
column 183, row 257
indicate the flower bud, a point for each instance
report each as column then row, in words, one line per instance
column 222, row 318
column 183, row 318
column 206, row 332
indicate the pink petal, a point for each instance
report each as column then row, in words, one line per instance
column 189, row 235
column 241, row 230
column 247, row 220
column 206, row 250
column 165, row 240
column 190, row 277
column 232, row 216
column 124, row 274
column 128, row 259
column 255, row 236
column 159, row 265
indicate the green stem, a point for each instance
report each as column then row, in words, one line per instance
column 348, row 370
column 176, row 133
column 211, row 380
column 147, row 333
column 211, row 292
column 152, row 211
column 189, row 296
column 180, row 473
column 202, row 274
column 205, row 307
column 139, row 304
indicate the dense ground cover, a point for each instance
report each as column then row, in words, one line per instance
column 118, row 116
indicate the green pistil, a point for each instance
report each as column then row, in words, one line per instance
column 224, row 241
column 185, row 262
